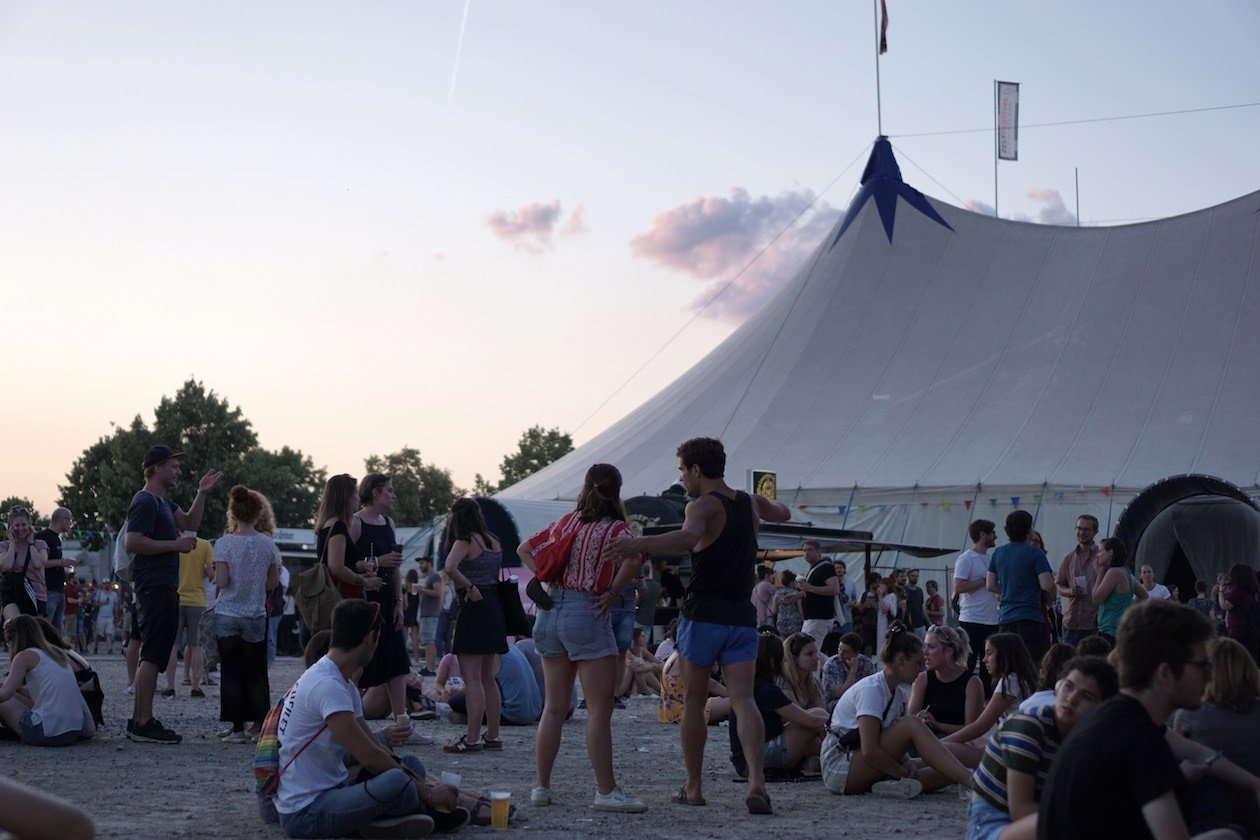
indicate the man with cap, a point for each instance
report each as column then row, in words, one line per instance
column 154, row 524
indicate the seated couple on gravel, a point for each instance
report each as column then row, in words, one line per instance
column 322, row 733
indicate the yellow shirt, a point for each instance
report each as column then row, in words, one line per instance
column 192, row 573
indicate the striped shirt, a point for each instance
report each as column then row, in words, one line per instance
column 1025, row 743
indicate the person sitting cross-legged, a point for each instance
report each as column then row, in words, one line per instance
column 322, row 726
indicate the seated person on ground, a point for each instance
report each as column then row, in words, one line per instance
column 447, row 681
column 792, row 733
column 1010, row 666
column 1007, row 785
column 800, row 664
column 642, row 671
column 716, row 708
column 322, row 727
column 40, row 700
column 1229, row 721
column 522, row 698
column 870, row 735
column 946, row 696
column 842, row 671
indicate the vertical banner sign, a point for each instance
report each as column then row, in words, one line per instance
column 1008, row 120
column 883, row 27
column 764, row 483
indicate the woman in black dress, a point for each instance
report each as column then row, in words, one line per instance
column 473, row 560
column 372, row 532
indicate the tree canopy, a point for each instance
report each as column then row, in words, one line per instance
column 102, row 481
column 423, row 490
column 537, row 448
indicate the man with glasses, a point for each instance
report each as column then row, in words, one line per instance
column 1075, row 581
column 1118, row 775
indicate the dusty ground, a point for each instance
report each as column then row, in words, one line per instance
column 204, row 788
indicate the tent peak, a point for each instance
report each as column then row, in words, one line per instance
column 882, row 180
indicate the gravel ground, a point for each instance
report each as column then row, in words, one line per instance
column 203, row 788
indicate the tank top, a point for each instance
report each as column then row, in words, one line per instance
column 483, row 570
column 58, row 703
column 374, row 541
column 1110, row 610
column 947, row 701
column 721, row 584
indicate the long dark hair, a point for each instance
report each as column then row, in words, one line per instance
column 465, row 521
column 769, row 665
column 601, row 495
column 1119, row 554
column 1013, row 658
column 1244, row 577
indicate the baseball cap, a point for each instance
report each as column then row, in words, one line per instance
column 158, row 454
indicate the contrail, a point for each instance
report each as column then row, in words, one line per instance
column 459, row 49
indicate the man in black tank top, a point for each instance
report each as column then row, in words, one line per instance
column 718, row 621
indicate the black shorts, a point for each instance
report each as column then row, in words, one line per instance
column 158, row 611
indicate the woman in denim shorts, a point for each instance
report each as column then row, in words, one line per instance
column 575, row 636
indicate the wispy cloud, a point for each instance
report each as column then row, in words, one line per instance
column 1052, row 212
column 533, row 228
column 713, row 238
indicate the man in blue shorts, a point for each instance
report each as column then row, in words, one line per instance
column 718, row 620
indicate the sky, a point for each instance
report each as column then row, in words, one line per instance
column 436, row 224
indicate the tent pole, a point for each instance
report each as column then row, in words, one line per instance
column 879, row 109
column 995, row 149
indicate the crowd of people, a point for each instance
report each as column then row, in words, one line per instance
column 1073, row 701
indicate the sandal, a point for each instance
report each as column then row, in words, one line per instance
column 462, row 746
column 681, row 798
column 758, row 803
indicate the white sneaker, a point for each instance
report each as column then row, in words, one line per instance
column 540, row 796
column 616, row 801
column 131, row 688
column 415, row 739
column 900, row 789
column 235, row 738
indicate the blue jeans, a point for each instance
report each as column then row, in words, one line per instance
column 273, row 628
column 344, row 810
column 57, row 610
column 252, row 629
column 984, row 822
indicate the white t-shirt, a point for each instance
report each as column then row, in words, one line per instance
column 319, row 693
column 1161, row 592
column 105, row 603
column 248, row 558
column 981, row 606
column 869, row 697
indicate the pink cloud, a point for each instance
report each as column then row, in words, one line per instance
column 1053, row 211
column 533, row 228
column 720, row 239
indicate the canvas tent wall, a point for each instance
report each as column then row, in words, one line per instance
column 928, row 365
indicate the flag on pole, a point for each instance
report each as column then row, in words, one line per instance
column 1008, row 120
column 883, row 27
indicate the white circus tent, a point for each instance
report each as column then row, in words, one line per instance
column 930, row 365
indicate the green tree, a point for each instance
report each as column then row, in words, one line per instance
column 423, row 490
column 102, row 480
column 18, row 501
column 288, row 479
column 537, row 448
column 482, row 487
